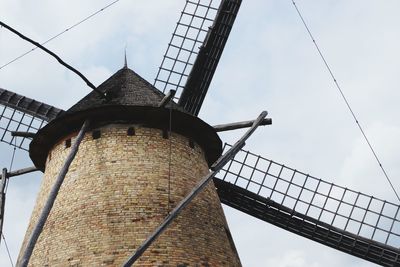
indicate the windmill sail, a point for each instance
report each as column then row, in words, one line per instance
column 195, row 48
column 20, row 113
column 341, row 218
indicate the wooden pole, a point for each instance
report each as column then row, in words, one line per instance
column 22, row 171
column 2, row 199
column 37, row 230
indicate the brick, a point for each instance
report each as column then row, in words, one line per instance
column 116, row 193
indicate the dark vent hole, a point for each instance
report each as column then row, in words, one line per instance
column 96, row 134
column 165, row 134
column 191, row 143
column 67, row 143
column 131, row 131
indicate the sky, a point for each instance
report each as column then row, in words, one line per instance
column 269, row 63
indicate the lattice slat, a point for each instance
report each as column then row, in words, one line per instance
column 23, row 114
column 14, row 120
column 210, row 53
column 327, row 204
column 189, row 35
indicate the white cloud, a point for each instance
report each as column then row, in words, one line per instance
column 269, row 63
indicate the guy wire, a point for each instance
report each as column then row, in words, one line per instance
column 345, row 100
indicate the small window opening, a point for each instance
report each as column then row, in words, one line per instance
column 165, row 134
column 131, row 131
column 68, row 143
column 191, row 143
column 96, row 134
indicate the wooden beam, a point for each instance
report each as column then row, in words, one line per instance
column 29, row 106
column 2, row 199
column 239, row 125
column 22, row 171
column 23, row 134
column 167, row 98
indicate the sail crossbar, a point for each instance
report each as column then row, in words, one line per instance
column 189, row 35
column 22, row 114
column 12, row 120
column 362, row 216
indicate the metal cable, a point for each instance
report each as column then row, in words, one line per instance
column 8, row 251
column 62, row 62
column 61, row 33
column 170, row 157
column 345, row 100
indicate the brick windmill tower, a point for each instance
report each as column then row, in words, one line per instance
column 144, row 159
column 128, row 174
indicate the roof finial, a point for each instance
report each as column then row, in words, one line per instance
column 126, row 61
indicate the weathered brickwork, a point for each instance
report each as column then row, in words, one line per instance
column 116, row 193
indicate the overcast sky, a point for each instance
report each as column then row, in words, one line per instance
column 269, row 64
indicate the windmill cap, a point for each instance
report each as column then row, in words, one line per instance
column 124, row 88
column 133, row 100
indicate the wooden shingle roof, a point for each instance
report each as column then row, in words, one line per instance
column 125, row 88
column 133, row 101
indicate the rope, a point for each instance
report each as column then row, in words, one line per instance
column 169, row 234
column 170, row 157
column 8, row 251
column 345, row 100
column 61, row 33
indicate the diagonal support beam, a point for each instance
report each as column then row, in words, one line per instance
column 37, row 230
column 3, row 182
column 217, row 166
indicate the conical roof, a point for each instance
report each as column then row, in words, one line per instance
column 131, row 100
column 125, row 88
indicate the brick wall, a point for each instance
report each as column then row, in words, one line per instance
column 116, row 193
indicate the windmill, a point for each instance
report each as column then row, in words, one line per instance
column 250, row 183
